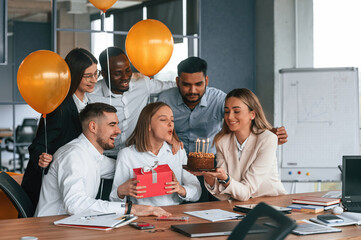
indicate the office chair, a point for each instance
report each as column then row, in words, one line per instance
column 17, row 196
column 24, row 135
column 272, row 224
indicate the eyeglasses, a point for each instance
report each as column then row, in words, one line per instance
column 90, row 76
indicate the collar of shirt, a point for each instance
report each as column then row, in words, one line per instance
column 165, row 148
column 106, row 91
column 203, row 102
column 80, row 105
column 90, row 147
column 240, row 147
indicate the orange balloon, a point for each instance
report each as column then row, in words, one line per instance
column 43, row 80
column 103, row 5
column 149, row 46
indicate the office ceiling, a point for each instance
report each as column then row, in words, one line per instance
column 40, row 10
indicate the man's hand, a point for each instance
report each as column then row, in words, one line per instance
column 144, row 210
column 44, row 160
column 281, row 134
column 176, row 145
column 176, row 187
column 129, row 188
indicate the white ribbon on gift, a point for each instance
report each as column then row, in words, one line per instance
column 148, row 169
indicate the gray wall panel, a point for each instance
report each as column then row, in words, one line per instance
column 227, row 43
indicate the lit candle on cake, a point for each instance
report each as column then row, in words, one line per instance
column 207, row 144
column 197, row 145
column 203, row 145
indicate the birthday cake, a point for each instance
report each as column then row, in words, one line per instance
column 200, row 161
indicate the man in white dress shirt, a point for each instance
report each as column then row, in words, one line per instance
column 129, row 94
column 71, row 185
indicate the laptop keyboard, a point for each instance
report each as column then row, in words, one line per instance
column 352, row 206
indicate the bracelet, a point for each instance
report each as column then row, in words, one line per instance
column 130, row 203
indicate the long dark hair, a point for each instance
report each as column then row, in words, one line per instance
column 78, row 60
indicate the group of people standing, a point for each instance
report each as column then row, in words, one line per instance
column 98, row 123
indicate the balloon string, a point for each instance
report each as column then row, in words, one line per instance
column 46, row 136
column 108, row 70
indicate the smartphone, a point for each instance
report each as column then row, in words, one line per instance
column 330, row 218
column 141, row 225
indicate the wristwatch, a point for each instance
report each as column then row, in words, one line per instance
column 130, row 203
column 224, row 181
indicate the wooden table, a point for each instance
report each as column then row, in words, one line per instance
column 43, row 227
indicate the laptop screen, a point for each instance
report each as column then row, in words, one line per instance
column 351, row 178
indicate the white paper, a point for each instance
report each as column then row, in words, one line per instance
column 93, row 219
column 349, row 218
column 214, row 215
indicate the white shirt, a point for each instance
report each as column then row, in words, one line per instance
column 240, row 147
column 72, row 183
column 129, row 158
column 129, row 104
column 80, row 105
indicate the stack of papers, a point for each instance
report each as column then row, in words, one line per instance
column 349, row 218
column 306, row 227
column 214, row 215
column 96, row 220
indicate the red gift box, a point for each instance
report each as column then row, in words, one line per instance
column 154, row 179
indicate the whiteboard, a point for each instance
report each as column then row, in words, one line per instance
column 320, row 110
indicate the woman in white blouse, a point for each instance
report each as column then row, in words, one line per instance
column 246, row 152
column 146, row 146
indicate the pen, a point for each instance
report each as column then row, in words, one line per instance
column 98, row 215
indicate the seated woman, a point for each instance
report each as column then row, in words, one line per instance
column 146, row 145
column 246, row 152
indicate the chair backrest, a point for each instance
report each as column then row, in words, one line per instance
column 25, row 133
column 274, row 224
column 30, row 122
column 17, row 196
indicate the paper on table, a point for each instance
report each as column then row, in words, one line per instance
column 305, row 227
column 214, row 215
column 96, row 220
column 349, row 218
column 333, row 194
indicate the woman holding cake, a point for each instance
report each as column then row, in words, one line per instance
column 246, row 152
column 147, row 146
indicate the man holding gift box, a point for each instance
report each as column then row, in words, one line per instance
column 146, row 170
column 73, row 180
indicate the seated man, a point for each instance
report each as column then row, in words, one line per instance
column 71, row 185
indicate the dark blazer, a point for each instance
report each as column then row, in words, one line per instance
column 63, row 125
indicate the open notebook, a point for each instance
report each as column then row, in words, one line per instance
column 96, row 220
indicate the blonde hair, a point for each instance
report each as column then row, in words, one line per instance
column 259, row 123
column 140, row 135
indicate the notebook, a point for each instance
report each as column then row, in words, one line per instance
column 351, row 182
column 212, row 229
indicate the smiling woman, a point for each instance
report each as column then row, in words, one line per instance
column 62, row 125
column 246, row 152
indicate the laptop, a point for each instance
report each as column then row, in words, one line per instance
column 213, row 229
column 351, row 183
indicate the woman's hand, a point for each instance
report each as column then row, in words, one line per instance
column 145, row 210
column 129, row 188
column 176, row 187
column 44, row 160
